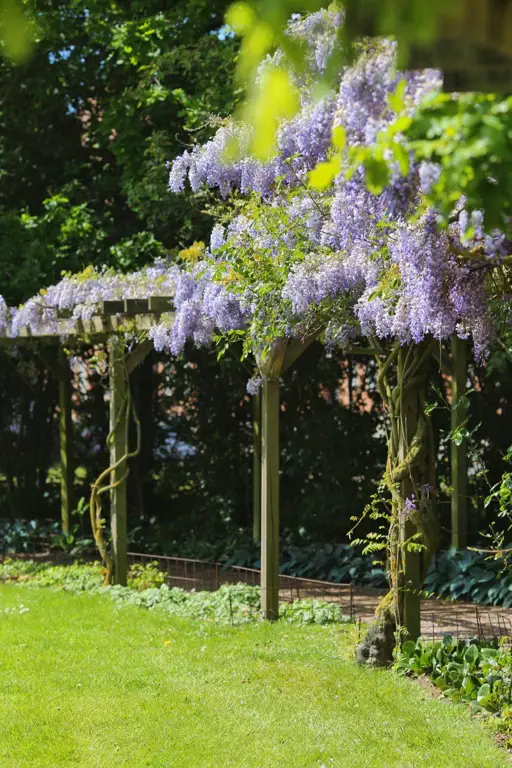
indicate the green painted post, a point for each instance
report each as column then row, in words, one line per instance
column 256, row 468
column 270, row 500
column 412, row 585
column 66, row 443
column 459, row 453
column 411, row 600
column 118, row 449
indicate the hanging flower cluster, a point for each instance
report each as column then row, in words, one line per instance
column 399, row 275
column 348, row 256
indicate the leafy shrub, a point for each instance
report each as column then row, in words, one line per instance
column 468, row 671
column 468, row 575
column 340, row 563
column 25, row 535
column 235, row 604
column 30, row 536
column 311, row 611
column 142, row 576
column 74, row 578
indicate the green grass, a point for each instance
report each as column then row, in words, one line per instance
column 87, row 682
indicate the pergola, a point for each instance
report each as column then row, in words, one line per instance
column 135, row 317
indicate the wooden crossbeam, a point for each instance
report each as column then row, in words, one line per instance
column 113, row 307
column 115, row 316
column 154, row 304
column 135, row 358
column 160, row 304
column 295, row 348
column 98, row 325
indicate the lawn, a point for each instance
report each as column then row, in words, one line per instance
column 88, row 682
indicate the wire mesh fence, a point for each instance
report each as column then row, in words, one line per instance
column 199, row 575
column 439, row 617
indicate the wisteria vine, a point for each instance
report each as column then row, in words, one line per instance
column 290, row 257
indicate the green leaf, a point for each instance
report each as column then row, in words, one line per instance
column 400, row 125
column 489, row 653
column 396, row 100
column 402, row 158
column 471, row 654
column 489, row 499
column 324, row 173
column 339, row 138
column 484, row 693
column 408, row 648
column 377, row 173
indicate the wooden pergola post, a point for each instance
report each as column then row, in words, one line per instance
column 270, row 500
column 459, row 453
column 118, row 449
column 256, row 468
column 411, row 596
column 66, row 443
column 272, row 365
column 55, row 360
column 411, row 586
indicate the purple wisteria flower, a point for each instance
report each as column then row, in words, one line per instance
column 4, row 317
column 409, row 506
column 254, row 385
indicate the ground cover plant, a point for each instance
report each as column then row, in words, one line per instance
column 89, row 682
column 470, row 671
column 232, row 604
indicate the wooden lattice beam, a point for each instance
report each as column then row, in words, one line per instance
column 115, row 316
column 135, row 358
